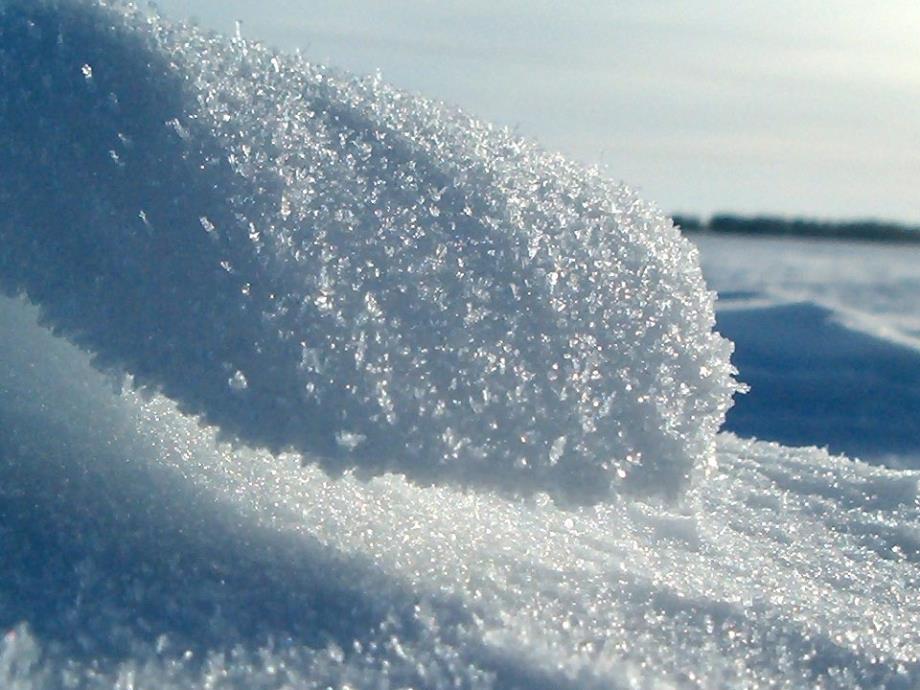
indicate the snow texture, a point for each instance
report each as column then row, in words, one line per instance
column 139, row 553
column 322, row 263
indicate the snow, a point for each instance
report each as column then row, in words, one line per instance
column 139, row 547
column 826, row 336
column 317, row 262
column 869, row 286
column 152, row 534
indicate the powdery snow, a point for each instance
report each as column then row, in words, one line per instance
column 314, row 261
column 138, row 550
column 275, row 253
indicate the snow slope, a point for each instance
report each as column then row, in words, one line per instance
column 826, row 336
column 319, row 262
column 140, row 549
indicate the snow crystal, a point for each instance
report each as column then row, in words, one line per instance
column 238, row 381
column 396, row 285
column 138, row 552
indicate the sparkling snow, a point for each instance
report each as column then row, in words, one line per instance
column 324, row 263
column 359, row 392
column 137, row 549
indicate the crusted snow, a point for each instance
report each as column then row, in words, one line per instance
column 320, row 262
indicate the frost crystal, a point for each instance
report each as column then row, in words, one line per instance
column 238, row 381
column 382, row 267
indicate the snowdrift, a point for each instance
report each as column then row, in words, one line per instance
column 138, row 552
column 315, row 262
column 815, row 382
column 339, row 274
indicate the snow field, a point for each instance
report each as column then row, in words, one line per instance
column 826, row 337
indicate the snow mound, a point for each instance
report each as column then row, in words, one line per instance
column 314, row 261
column 139, row 553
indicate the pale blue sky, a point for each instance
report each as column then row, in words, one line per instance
column 790, row 106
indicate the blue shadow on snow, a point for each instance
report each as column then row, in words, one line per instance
column 815, row 382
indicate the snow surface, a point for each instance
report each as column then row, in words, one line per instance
column 141, row 553
column 827, row 336
column 318, row 262
column 141, row 550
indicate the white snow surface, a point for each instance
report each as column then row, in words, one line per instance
column 139, row 552
column 869, row 287
column 319, row 262
column 235, row 235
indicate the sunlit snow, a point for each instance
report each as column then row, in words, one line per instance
column 138, row 549
column 324, row 263
column 355, row 391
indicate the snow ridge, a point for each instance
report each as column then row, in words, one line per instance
column 138, row 552
column 318, row 262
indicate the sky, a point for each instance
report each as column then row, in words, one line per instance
column 791, row 107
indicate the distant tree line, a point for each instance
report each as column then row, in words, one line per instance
column 724, row 223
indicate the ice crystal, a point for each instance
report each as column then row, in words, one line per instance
column 380, row 265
